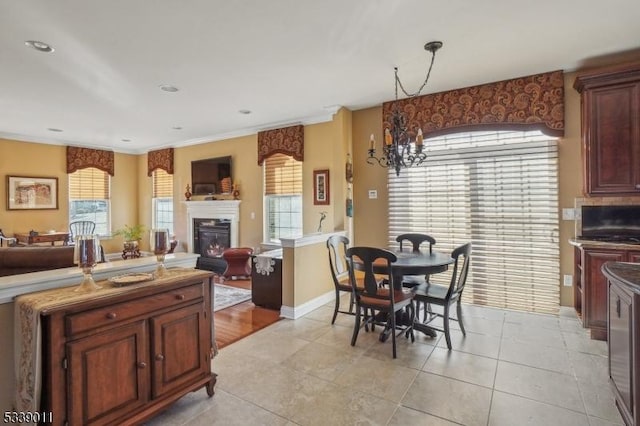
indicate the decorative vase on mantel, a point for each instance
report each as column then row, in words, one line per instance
column 188, row 194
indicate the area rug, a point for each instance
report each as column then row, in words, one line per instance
column 225, row 296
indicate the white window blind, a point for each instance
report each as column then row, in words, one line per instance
column 89, row 194
column 497, row 190
column 283, row 197
column 162, row 201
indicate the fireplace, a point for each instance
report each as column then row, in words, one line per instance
column 212, row 227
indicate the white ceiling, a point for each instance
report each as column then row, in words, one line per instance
column 288, row 61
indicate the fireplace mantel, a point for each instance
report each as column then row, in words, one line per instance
column 215, row 209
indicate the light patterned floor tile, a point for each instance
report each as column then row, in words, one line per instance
column 407, row 416
column 450, row 399
column 540, row 385
column 509, row 410
column 462, row 366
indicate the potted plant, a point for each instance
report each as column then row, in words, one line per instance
column 132, row 236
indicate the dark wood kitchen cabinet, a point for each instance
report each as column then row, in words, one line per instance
column 610, row 100
column 594, row 289
column 121, row 358
column 590, row 285
column 624, row 337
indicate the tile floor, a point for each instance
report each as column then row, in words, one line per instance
column 511, row 369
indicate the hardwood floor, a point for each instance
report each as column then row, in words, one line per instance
column 241, row 320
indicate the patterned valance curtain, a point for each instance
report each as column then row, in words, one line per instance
column 287, row 140
column 81, row 158
column 528, row 103
column 160, row 159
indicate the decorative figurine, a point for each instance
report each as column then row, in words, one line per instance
column 323, row 216
column 188, row 194
column 236, row 192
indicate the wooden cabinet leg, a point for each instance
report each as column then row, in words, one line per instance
column 211, row 384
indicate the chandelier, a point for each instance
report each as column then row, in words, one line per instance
column 398, row 149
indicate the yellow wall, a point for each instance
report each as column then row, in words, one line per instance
column 42, row 160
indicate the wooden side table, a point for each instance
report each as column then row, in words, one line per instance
column 27, row 238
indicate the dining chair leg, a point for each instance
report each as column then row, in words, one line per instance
column 445, row 320
column 412, row 319
column 356, row 328
column 337, row 307
column 459, row 313
column 351, row 302
column 393, row 332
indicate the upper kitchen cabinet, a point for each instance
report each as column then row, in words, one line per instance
column 610, row 100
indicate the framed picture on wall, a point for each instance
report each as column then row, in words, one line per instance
column 32, row 193
column 321, row 187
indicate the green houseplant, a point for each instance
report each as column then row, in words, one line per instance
column 132, row 236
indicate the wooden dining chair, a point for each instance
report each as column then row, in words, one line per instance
column 416, row 241
column 373, row 298
column 80, row 227
column 337, row 247
column 445, row 296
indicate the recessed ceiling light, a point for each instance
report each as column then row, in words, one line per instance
column 244, row 111
column 177, row 128
column 53, row 129
column 39, row 45
column 168, row 88
column 125, row 140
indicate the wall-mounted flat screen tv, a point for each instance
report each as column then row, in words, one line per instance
column 211, row 176
column 605, row 221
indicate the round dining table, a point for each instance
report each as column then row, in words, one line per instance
column 411, row 263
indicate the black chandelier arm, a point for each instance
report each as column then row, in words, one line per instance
column 382, row 161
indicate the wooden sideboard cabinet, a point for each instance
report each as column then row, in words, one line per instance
column 624, row 337
column 611, row 130
column 591, row 288
column 121, row 359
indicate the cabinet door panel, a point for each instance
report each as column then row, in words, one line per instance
column 594, row 308
column 634, row 256
column 612, row 139
column 620, row 342
column 108, row 374
column 178, row 351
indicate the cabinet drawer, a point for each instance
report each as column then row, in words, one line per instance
column 85, row 321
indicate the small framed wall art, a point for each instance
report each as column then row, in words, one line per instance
column 32, row 193
column 321, row 187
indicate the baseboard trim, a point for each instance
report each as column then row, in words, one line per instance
column 296, row 312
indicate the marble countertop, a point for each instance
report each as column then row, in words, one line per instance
column 628, row 274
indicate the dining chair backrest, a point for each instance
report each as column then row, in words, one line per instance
column 366, row 256
column 81, row 227
column 337, row 247
column 416, row 240
column 462, row 258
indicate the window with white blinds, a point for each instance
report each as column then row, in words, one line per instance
column 162, row 199
column 499, row 191
column 283, row 197
column 89, row 194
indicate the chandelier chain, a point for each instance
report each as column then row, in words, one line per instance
column 399, row 83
